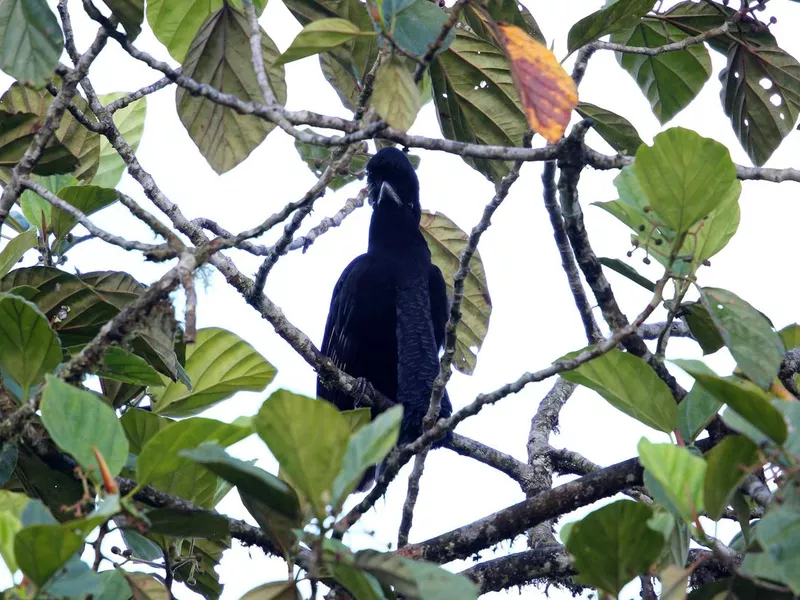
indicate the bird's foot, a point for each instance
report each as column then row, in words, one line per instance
column 360, row 391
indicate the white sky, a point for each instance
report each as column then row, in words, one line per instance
column 534, row 319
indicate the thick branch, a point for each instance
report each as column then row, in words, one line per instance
column 540, row 476
column 550, row 564
column 510, row 522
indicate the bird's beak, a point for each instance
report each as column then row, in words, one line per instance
column 387, row 191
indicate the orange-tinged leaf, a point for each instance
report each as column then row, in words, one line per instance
column 546, row 90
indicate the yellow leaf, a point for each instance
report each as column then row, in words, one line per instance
column 546, row 90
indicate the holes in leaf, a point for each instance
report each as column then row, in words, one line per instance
column 765, row 83
column 444, row 95
column 782, row 116
column 483, row 84
column 747, row 123
column 776, row 100
column 736, row 74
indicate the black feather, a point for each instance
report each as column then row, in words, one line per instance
column 389, row 308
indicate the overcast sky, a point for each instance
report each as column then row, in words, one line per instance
column 534, row 320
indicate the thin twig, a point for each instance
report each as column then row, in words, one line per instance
column 672, row 47
column 567, row 259
column 161, row 251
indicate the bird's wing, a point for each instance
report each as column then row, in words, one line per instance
column 339, row 343
column 439, row 304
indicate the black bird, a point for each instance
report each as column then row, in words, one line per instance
column 389, row 308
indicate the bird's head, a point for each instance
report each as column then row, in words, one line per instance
column 393, row 187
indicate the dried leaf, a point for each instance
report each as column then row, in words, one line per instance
column 547, row 92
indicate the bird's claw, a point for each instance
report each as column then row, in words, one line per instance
column 360, row 390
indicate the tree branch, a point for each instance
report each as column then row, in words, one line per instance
column 593, row 333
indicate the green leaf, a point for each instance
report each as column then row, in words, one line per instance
column 157, row 341
column 447, row 242
column 507, row 11
column 55, row 489
column 277, row 590
column 360, row 585
column 41, row 550
column 319, row 36
column 476, row 100
column 680, row 474
column 277, row 526
column 116, row 287
column 208, row 554
column 130, row 13
column 367, row 447
column 670, row 80
column 8, row 461
column 73, row 138
column 790, row 336
column 791, row 412
column 86, row 198
column 140, row 426
column 727, row 467
column 318, row 159
column 684, row 176
column 746, row 398
column 396, row 97
column 309, row 438
column 216, row 57
column 15, row 249
column 614, row 544
column 698, row 17
column 17, row 129
column 175, row 24
column 130, row 122
column 79, row 421
column 357, row 418
column 161, row 454
column 220, row 364
column 758, row 350
column 114, row 586
column 761, row 96
column 696, row 411
column 415, row 24
column 140, row 546
column 121, row 365
column 779, row 534
column 626, row 270
column 620, row 134
column 606, row 20
column 256, row 482
column 714, row 232
column 11, row 509
column 76, row 580
column 629, row 384
column 703, row 241
column 343, row 67
column 34, row 206
column 146, row 586
column 702, row 327
column 28, row 346
column 415, row 579
column 187, row 524
column 30, row 40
